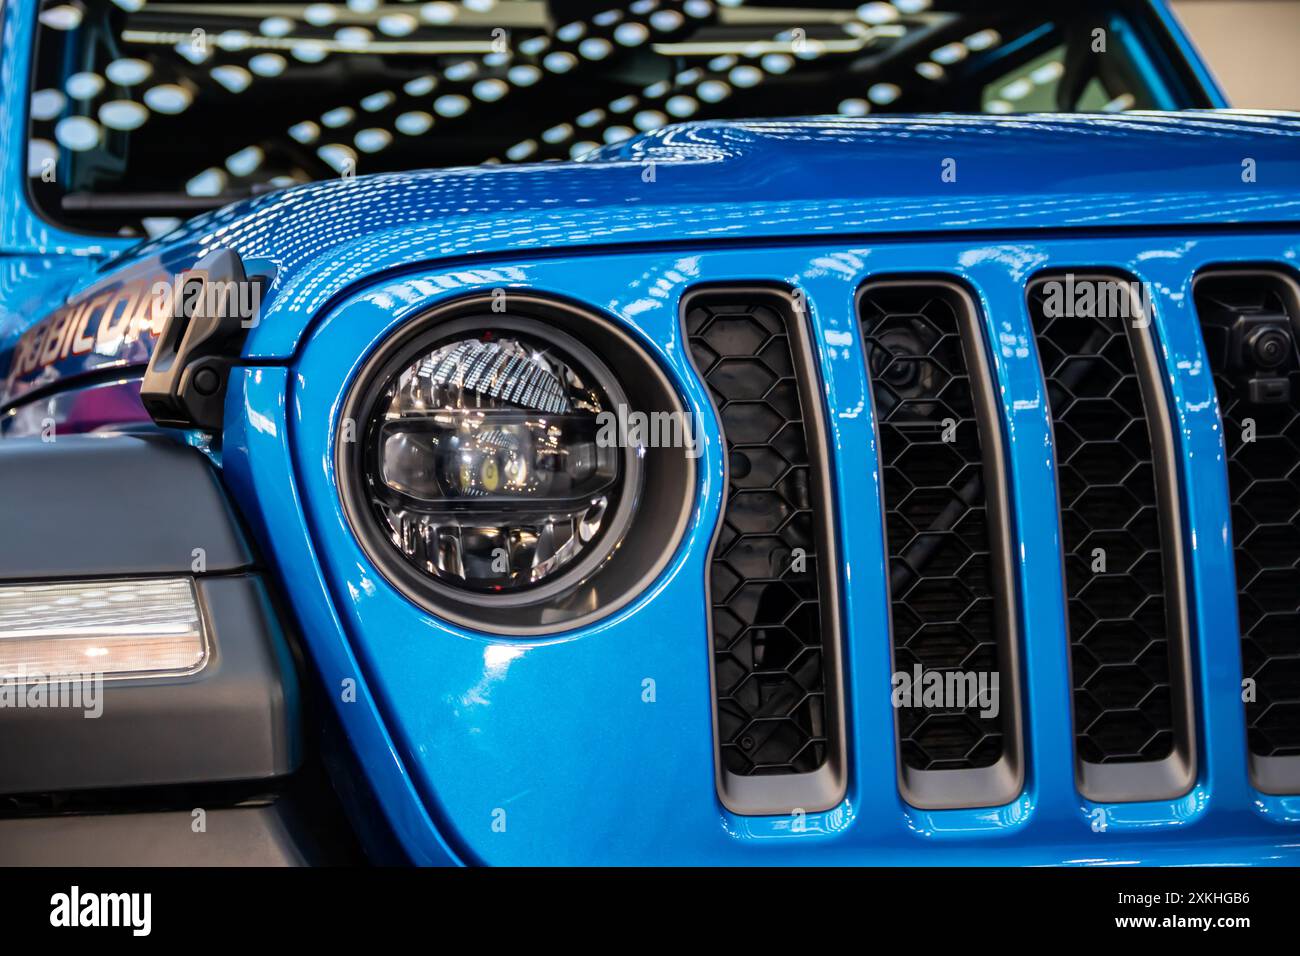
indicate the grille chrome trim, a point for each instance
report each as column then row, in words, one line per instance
column 1001, row 781
column 1173, row 775
column 1276, row 775
column 825, row 787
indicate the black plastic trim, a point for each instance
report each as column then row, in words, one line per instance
column 824, row 788
column 85, row 506
column 1174, row 775
column 268, row 835
column 1278, row 776
column 1002, row 781
column 184, row 384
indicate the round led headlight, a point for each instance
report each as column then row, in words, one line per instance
column 485, row 473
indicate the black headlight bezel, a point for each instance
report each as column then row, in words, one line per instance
column 658, row 482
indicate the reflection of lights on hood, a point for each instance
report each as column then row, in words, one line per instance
column 497, row 659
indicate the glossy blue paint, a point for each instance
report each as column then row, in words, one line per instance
column 452, row 726
column 554, row 731
column 1187, row 52
column 754, row 181
column 256, row 466
column 21, row 229
column 28, row 287
column 109, row 322
column 759, row 181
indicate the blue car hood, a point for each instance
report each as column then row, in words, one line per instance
column 710, row 181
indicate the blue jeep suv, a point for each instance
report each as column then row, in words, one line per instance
column 481, row 433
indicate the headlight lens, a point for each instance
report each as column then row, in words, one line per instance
column 479, row 472
column 484, row 464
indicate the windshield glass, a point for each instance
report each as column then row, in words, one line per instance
column 143, row 113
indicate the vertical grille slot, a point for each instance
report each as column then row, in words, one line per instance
column 773, row 592
column 946, row 530
column 1258, row 388
column 1126, row 602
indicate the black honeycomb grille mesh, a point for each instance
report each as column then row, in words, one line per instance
column 767, row 622
column 1264, row 481
column 936, row 521
column 1115, row 579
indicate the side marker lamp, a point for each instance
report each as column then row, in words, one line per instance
column 122, row 628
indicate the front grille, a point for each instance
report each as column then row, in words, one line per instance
column 1118, row 528
column 774, row 663
column 941, row 472
column 944, row 472
column 1260, row 410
